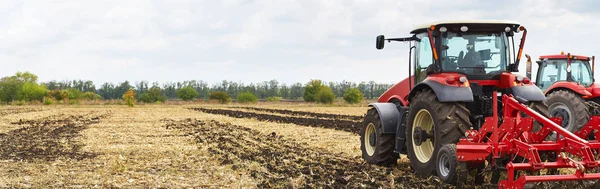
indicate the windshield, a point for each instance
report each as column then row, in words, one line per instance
column 580, row 72
column 556, row 70
column 474, row 53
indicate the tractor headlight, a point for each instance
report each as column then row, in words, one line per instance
column 520, row 78
column 443, row 29
column 462, row 79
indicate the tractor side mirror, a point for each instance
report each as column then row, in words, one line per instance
column 380, row 41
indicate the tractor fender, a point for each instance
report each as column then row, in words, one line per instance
column 389, row 116
column 444, row 93
column 572, row 86
column 528, row 92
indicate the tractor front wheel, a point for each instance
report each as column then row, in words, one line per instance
column 431, row 125
column 377, row 148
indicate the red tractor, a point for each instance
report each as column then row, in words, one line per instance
column 463, row 109
column 568, row 83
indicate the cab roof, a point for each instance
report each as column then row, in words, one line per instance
column 564, row 56
column 454, row 22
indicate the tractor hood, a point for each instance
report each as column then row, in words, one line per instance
column 594, row 89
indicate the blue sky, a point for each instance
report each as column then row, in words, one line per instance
column 256, row 40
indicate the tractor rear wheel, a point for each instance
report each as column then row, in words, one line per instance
column 377, row 148
column 431, row 125
column 570, row 107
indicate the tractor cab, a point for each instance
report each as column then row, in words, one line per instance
column 477, row 49
column 463, row 61
column 564, row 68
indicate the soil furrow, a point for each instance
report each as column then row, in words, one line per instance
column 277, row 162
column 47, row 139
column 343, row 125
column 303, row 113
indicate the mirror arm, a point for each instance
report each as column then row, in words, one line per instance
column 403, row 39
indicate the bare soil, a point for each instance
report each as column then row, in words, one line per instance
column 278, row 162
column 47, row 138
column 343, row 125
column 304, row 113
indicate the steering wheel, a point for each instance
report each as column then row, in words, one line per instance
column 552, row 78
column 450, row 62
column 452, row 59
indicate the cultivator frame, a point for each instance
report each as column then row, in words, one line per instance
column 514, row 137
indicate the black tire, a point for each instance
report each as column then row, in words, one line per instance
column 541, row 108
column 569, row 106
column 382, row 152
column 450, row 121
column 447, row 164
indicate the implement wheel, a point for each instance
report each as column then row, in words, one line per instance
column 377, row 148
column 447, row 163
column 431, row 125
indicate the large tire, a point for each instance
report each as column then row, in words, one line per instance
column 377, row 148
column 541, row 108
column 570, row 107
column 447, row 121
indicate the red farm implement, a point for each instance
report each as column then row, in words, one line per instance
column 514, row 138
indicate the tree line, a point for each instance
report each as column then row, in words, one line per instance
column 262, row 90
column 11, row 88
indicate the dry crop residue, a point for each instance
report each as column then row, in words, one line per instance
column 343, row 125
column 303, row 113
column 277, row 162
column 10, row 111
column 47, row 138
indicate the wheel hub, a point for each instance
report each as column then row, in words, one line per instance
column 563, row 114
column 372, row 140
column 420, row 136
column 444, row 165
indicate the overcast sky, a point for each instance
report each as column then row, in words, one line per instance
column 256, row 40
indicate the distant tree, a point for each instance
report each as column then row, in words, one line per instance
column 170, row 89
column 32, row 92
column 325, row 95
column 353, row 96
column 296, row 91
column 108, row 91
column 9, row 89
column 91, row 96
column 145, row 98
column 152, row 95
column 187, row 93
column 26, row 77
column 123, row 88
column 221, row 96
column 74, row 94
column 246, row 97
column 312, row 88
column 129, row 97
column 157, row 94
column 284, row 91
column 274, row 99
